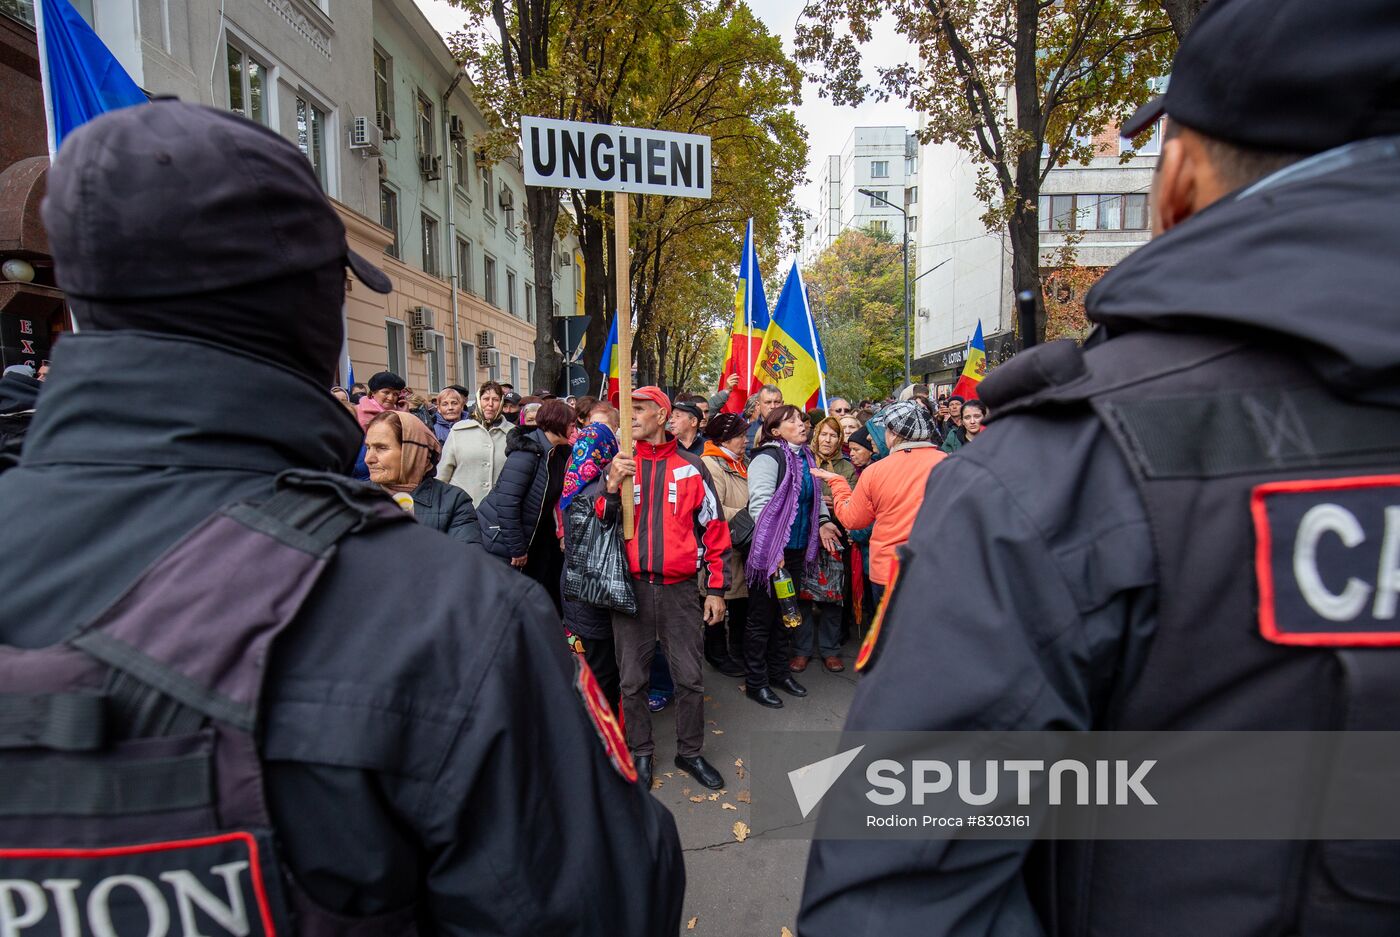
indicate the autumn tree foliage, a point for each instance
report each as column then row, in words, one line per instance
column 707, row 67
column 856, row 290
column 1021, row 85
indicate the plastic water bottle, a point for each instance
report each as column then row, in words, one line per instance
column 785, row 591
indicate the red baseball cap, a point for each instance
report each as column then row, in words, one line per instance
column 655, row 394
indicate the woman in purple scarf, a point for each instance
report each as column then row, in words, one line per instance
column 790, row 526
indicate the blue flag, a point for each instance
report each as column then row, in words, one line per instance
column 81, row 77
column 792, row 358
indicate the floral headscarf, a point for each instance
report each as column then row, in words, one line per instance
column 594, row 447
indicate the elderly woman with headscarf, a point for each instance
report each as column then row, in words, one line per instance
column 400, row 454
column 588, row 628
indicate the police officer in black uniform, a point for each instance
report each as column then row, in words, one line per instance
column 427, row 756
column 1248, row 356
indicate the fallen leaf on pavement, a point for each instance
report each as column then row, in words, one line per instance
column 690, row 924
column 714, row 796
column 744, row 797
column 729, row 807
column 738, row 762
column 670, row 774
column 785, row 933
column 698, row 799
column 742, row 774
column 717, row 731
column 741, row 830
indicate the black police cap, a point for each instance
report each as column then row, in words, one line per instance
column 169, row 199
column 1298, row 76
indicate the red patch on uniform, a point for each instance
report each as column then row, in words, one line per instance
column 1314, row 537
column 866, row 657
column 609, row 732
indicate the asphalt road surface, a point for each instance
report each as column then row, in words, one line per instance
column 750, row 888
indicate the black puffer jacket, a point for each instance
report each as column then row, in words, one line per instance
column 510, row 512
column 442, row 507
column 18, row 395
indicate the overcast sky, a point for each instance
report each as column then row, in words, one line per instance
column 827, row 126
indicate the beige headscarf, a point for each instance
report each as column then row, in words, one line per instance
column 420, row 452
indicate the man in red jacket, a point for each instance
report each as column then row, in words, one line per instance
column 678, row 521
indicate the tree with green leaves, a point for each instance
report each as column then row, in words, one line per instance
column 1020, row 85
column 856, row 289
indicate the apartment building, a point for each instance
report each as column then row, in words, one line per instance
column 371, row 95
column 883, row 160
column 963, row 274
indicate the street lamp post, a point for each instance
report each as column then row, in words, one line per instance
column 905, row 242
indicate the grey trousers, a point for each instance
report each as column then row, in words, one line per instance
column 673, row 615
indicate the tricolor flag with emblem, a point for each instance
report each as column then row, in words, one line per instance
column 609, row 365
column 975, row 368
column 747, row 335
column 80, row 76
column 792, row 357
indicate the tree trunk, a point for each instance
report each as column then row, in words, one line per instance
column 542, row 208
column 1182, row 14
column 1024, row 226
column 593, row 237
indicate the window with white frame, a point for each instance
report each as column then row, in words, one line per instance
column 247, row 84
column 530, row 375
column 494, row 371
column 875, row 197
column 880, row 225
column 515, row 372
column 437, row 363
column 911, row 195
column 1153, row 145
column 487, row 176
column 466, row 366
column 395, row 338
column 913, row 223
column 423, row 124
column 529, row 302
column 488, row 279
column 389, row 217
column 459, row 164
column 464, row 265
column 510, row 293
column 311, row 136
column 383, row 89
column 430, row 245
column 879, row 169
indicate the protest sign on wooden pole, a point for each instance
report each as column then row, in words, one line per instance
column 567, row 154
column 622, row 263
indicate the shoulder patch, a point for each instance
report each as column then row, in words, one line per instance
column 604, row 722
column 869, row 648
column 1327, row 561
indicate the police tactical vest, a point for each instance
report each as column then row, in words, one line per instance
column 131, row 790
column 1274, row 507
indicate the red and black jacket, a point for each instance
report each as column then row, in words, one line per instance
column 680, row 527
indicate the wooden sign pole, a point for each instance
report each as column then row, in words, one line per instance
column 622, row 264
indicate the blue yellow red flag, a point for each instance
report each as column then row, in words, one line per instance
column 746, row 334
column 609, row 364
column 792, row 357
column 80, row 76
column 975, row 367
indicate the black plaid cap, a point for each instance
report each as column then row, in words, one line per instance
column 170, row 199
column 909, row 420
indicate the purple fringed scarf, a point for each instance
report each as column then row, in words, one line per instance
column 774, row 525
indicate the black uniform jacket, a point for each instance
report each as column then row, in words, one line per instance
column 1029, row 586
column 423, row 744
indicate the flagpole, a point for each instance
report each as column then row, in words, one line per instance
column 812, row 332
column 748, row 306
column 44, row 80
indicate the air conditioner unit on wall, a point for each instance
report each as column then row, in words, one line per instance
column 507, row 198
column 430, row 167
column 456, row 128
column 386, row 125
column 422, row 317
column 486, row 339
column 422, row 341
column 488, row 358
column 365, row 135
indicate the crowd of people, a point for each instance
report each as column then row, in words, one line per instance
column 764, row 538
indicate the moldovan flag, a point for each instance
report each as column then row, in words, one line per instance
column 792, row 358
column 976, row 367
column 750, row 324
column 608, row 367
column 80, row 76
